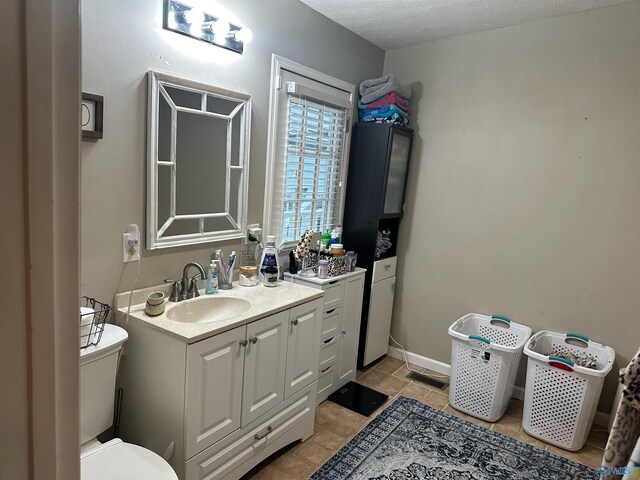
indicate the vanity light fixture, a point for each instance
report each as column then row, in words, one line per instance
column 182, row 18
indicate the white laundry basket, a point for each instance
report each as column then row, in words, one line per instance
column 485, row 354
column 561, row 397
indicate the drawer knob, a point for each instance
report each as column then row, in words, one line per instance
column 387, row 267
column 243, row 342
column 295, row 322
column 344, row 332
column 260, row 437
column 253, row 340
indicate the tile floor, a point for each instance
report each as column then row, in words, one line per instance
column 335, row 425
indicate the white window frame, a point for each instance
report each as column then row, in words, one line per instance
column 278, row 64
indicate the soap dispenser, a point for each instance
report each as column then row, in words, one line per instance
column 211, row 285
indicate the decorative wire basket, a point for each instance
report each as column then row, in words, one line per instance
column 337, row 265
column 92, row 323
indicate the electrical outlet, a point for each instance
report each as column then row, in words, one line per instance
column 253, row 230
column 131, row 244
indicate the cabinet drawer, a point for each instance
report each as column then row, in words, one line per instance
column 331, row 323
column 327, row 381
column 333, row 294
column 329, row 351
column 384, row 269
column 223, row 457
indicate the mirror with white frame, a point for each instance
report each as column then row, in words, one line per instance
column 198, row 162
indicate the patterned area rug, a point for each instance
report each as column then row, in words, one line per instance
column 412, row 441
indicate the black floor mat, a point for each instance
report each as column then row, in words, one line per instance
column 358, row 398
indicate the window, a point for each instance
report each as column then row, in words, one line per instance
column 309, row 144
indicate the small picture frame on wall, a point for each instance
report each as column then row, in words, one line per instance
column 91, row 113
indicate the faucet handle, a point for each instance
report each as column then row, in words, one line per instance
column 175, row 289
column 193, row 286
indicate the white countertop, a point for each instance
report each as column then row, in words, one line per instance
column 264, row 302
column 324, row 281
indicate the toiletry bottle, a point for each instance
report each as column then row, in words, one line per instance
column 338, row 234
column 269, row 256
column 270, row 276
column 334, row 237
column 323, row 268
column 352, row 260
column 211, row 286
column 325, row 238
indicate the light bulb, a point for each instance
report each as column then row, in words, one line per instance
column 172, row 22
column 194, row 17
column 243, row 35
column 220, row 27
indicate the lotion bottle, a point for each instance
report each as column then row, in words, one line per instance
column 211, row 286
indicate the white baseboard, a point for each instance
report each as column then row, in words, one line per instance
column 518, row 393
column 601, row 418
column 421, row 361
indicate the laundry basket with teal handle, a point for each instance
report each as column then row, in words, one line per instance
column 485, row 354
column 561, row 396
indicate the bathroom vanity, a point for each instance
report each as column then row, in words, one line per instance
column 218, row 383
column 341, row 311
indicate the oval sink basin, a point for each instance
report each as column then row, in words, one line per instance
column 208, row 309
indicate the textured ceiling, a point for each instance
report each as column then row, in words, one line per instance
column 394, row 24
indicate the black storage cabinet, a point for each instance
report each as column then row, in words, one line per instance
column 375, row 197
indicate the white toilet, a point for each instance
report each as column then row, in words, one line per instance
column 114, row 459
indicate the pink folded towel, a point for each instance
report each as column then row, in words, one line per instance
column 389, row 98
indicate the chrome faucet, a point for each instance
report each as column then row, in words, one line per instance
column 189, row 286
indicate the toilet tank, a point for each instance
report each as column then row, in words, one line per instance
column 98, row 367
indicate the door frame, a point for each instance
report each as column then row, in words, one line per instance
column 39, row 191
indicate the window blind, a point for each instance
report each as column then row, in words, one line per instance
column 311, row 170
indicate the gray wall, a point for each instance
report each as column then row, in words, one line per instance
column 524, row 190
column 121, row 42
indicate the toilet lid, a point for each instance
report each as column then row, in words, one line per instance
column 116, row 460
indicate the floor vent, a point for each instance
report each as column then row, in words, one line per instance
column 427, row 380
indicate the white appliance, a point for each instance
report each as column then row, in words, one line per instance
column 114, row 459
column 383, row 284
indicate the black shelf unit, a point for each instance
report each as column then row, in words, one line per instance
column 376, row 185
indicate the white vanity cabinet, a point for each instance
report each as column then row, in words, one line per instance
column 214, row 384
column 340, row 330
column 220, row 405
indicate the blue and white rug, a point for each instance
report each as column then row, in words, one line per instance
column 412, row 441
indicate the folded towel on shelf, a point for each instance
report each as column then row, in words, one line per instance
column 395, row 119
column 386, row 100
column 394, row 116
column 393, row 97
column 370, row 90
column 383, row 111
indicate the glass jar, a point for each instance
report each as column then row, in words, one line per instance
column 337, row 250
column 248, row 276
column 270, row 276
column 323, row 268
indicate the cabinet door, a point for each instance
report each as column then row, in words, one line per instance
column 214, row 389
column 379, row 324
column 351, row 312
column 264, row 365
column 303, row 346
column 398, row 164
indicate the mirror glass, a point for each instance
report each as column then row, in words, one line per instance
column 198, row 162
